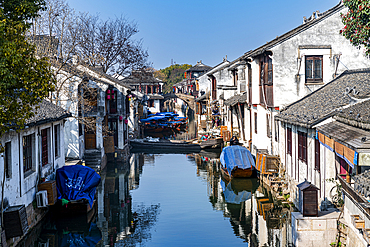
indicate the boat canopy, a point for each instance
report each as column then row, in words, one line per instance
column 236, row 156
column 154, row 118
column 77, row 182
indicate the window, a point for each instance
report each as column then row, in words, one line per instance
column 313, row 69
column 255, row 122
column 80, row 132
column 266, row 81
column 113, row 102
column 204, row 109
column 7, row 160
column 154, row 89
column 317, row 155
column 289, row 141
column 276, row 131
column 214, row 89
column 302, row 146
column 45, row 146
column 28, row 152
column 268, row 129
column 57, row 140
column 90, row 97
column 235, row 77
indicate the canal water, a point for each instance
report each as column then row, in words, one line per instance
column 173, row 200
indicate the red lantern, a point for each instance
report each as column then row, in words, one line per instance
column 108, row 96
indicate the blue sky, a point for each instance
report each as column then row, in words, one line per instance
column 189, row 31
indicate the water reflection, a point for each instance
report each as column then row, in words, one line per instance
column 169, row 205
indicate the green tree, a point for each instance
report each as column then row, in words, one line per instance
column 357, row 23
column 25, row 80
column 172, row 75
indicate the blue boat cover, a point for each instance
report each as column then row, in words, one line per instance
column 155, row 118
column 232, row 197
column 239, row 156
column 77, row 182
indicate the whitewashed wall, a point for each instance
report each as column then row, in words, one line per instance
column 20, row 188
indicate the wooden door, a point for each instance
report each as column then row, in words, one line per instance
column 113, row 130
column 90, row 136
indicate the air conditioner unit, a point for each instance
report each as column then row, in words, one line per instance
column 46, row 244
column 42, row 199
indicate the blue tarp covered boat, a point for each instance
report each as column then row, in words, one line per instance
column 77, row 182
column 236, row 161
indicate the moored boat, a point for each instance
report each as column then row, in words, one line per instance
column 236, row 162
column 76, row 187
column 165, row 145
column 211, row 143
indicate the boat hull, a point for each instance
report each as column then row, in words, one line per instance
column 237, row 173
column 166, row 146
column 211, row 143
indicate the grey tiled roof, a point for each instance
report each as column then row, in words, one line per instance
column 47, row 112
column 236, row 99
column 329, row 99
column 357, row 115
column 199, row 67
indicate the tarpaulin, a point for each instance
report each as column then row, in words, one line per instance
column 77, row 182
column 239, row 156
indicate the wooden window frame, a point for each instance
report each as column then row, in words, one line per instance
column 266, row 84
column 8, row 159
column 57, row 140
column 214, row 88
column 45, row 146
column 302, row 146
column 235, row 76
column 28, row 153
column 312, row 78
column 113, row 103
column 249, row 84
column 289, row 141
column 268, row 128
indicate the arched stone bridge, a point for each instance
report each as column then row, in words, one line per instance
column 188, row 99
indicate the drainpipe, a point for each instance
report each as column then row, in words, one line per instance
column 53, row 145
column 19, row 161
column 250, row 128
column 324, row 171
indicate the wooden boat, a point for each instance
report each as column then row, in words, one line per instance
column 211, row 143
column 236, row 162
column 80, row 209
column 76, row 186
column 165, row 145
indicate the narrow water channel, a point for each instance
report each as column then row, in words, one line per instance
column 173, row 200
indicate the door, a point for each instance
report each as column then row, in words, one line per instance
column 90, row 134
column 113, row 130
